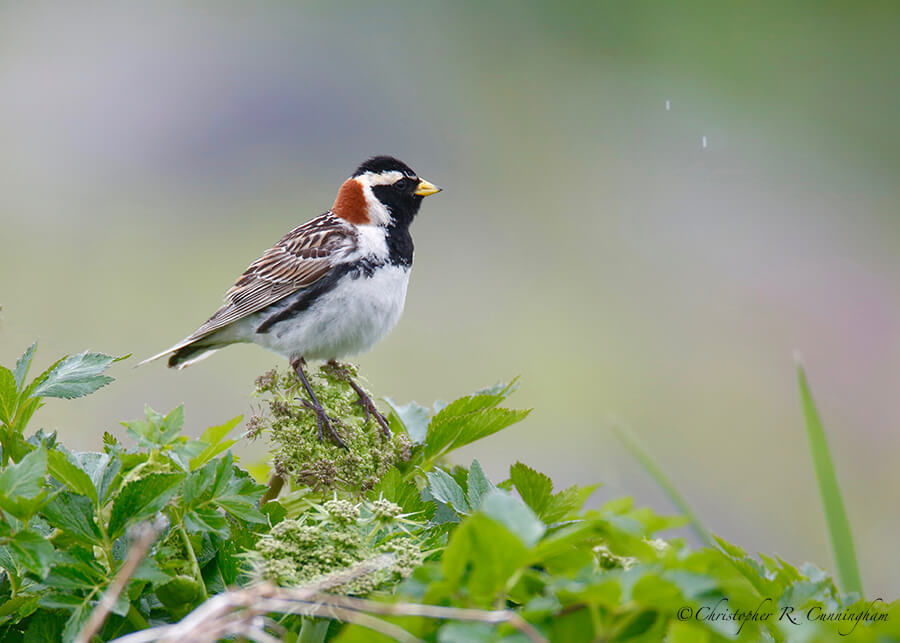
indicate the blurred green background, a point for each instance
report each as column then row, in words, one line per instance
column 585, row 238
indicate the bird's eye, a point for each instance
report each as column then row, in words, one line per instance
column 401, row 184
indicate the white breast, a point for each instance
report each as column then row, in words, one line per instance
column 347, row 320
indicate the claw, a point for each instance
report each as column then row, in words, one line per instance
column 363, row 398
column 370, row 409
column 323, row 421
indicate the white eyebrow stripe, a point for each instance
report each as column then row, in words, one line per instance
column 384, row 178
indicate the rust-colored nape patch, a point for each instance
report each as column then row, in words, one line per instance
column 350, row 203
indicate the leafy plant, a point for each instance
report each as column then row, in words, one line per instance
column 64, row 533
column 385, row 538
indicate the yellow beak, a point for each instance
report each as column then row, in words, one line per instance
column 426, row 189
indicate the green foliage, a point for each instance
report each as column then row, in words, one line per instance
column 64, row 529
column 442, row 535
column 70, row 377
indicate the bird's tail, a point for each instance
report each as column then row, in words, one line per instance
column 186, row 353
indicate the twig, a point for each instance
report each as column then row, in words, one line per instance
column 494, row 617
column 241, row 612
column 361, row 618
column 147, row 532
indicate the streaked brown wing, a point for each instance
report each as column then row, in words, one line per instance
column 302, row 257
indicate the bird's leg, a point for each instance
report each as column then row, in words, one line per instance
column 324, row 422
column 364, row 400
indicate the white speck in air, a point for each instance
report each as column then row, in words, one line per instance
column 668, row 105
column 703, row 142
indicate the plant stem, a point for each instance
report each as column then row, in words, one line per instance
column 13, row 584
column 107, row 544
column 194, row 564
column 5, row 433
column 633, row 444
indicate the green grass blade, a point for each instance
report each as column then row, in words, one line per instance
column 639, row 451
column 832, row 502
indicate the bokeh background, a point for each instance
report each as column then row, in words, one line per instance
column 585, row 240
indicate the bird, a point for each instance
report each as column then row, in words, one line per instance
column 330, row 288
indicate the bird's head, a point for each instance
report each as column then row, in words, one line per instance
column 382, row 191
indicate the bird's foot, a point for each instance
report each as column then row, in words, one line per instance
column 324, row 422
column 370, row 409
column 345, row 372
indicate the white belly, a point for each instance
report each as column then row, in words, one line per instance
column 345, row 321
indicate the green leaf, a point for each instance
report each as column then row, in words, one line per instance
column 157, row 429
column 478, row 484
column 31, row 551
column 141, row 499
column 102, row 468
column 221, row 485
column 58, row 600
column 18, row 607
column 78, row 619
column 23, row 508
column 835, row 515
column 75, row 376
column 235, row 491
column 413, row 417
column 79, row 562
column 206, row 520
column 566, row 502
column 149, row 570
column 275, row 512
column 444, row 488
column 182, row 451
column 79, row 607
column 24, row 479
column 44, row 626
column 198, row 484
column 213, row 437
column 9, row 396
column 73, row 577
column 242, row 508
column 483, row 555
column 470, row 418
column 22, row 366
column 394, row 488
column 448, row 431
column 535, row 488
column 502, row 390
column 484, row 398
column 70, row 475
column 74, row 514
column 513, row 514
